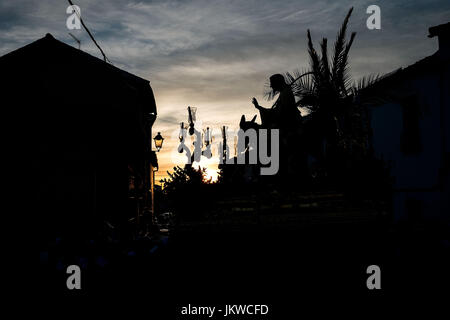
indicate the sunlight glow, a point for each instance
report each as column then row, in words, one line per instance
column 211, row 174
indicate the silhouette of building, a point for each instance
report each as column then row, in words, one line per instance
column 89, row 136
column 411, row 133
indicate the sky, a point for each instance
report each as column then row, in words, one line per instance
column 216, row 55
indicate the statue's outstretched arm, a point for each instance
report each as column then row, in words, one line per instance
column 256, row 104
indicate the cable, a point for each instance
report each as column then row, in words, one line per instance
column 90, row 34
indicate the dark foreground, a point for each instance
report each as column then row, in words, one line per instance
column 286, row 269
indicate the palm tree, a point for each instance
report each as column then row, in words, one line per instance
column 326, row 89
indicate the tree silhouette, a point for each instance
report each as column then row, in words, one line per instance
column 328, row 91
column 334, row 100
column 187, row 191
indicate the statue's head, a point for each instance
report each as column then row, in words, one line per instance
column 277, row 82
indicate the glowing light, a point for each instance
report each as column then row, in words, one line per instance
column 212, row 174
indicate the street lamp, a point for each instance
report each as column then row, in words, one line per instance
column 158, row 145
column 158, row 141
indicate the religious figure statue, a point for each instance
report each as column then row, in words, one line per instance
column 284, row 113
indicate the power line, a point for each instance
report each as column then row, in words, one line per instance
column 90, row 34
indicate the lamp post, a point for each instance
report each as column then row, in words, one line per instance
column 158, row 145
column 158, row 141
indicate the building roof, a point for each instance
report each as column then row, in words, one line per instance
column 433, row 63
column 50, row 51
column 440, row 29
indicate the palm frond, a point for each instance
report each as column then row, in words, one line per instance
column 325, row 66
column 368, row 93
column 314, row 61
column 290, row 78
column 344, row 78
column 366, row 81
column 303, row 88
column 339, row 45
column 302, row 83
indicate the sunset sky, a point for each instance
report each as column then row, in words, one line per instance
column 216, row 55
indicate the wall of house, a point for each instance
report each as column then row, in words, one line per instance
column 418, row 170
column 83, row 121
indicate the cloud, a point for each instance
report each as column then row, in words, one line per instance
column 216, row 55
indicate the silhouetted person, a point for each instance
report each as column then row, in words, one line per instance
column 284, row 116
column 284, row 112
